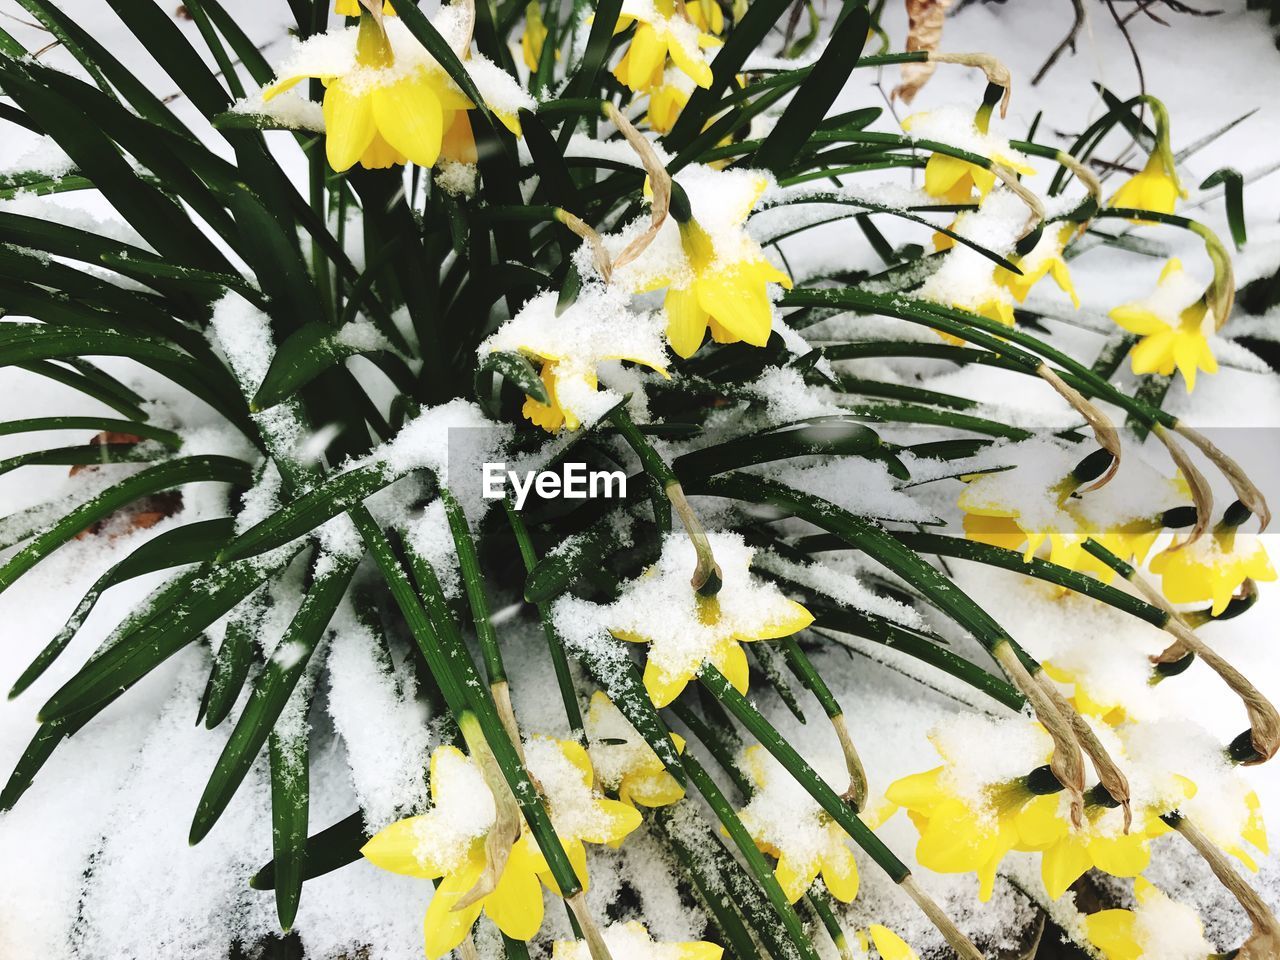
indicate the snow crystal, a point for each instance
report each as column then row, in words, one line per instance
column 845, row 587
column 570, row 800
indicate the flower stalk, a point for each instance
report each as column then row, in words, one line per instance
column 1104, row 431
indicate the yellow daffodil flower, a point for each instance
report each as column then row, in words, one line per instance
column 1100, row 842
column 1045, row 259
column 1247, row 836
column 570, row 346
column 951, row 178
column 1174, row 332
column 725, row 284
column 449, row 841
column 786, row 823
column 1155, row 187
column 693, row 629
column 1129, row 934
column 631, row 941
column 351, row 8
column 1039, row 502
column 889, row 945
column 660, row 32
column 1085, row 700
column 706, row 15
column 667, row 100
column 388, row 103
column 624, row 762
column 535, row 35
column 1211, row 568
column 958, row 835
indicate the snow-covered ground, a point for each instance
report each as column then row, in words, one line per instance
column 94, row 861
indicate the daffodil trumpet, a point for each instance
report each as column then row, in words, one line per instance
column 1156, row 187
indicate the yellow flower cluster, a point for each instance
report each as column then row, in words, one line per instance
column 964, row 829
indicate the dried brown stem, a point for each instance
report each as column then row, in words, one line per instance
column 958, row 942
column 1201, row 494
column 856, row 794
column 586, row 923
column 995, row 71
column 659, row 181
column 1264, row 942
column 1246, row 491
column 1104, row 431
column 1109, row 773
column 1068, row 761
column 1264, row 721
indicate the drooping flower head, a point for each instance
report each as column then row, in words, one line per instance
column 1044, row 260
column 967, row 812
column 387, row 101
column 694, row 630
column 624, row 762
column 449, row 841
column 631, row 941
column 534, row 36
column 661, row 31
column 1042, row 500
column 1174, row 324
column 570, row 347
column 1157, row 928
column 717, row 276
column 954, row 179
column 1212, row 567
column 787, row 823
column 1156, row 186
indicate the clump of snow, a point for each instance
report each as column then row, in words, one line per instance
column 292, row 109
column 788, row 398
column 954, row 126
column 458, row 179
column 45, row 157
column 333, row 54
column 243, row 333
column 626, row 941
column 463, row 810
column 431, row 538
column 981, row 752
column 599, row 326
column 383, row 726
column 570, row 797
column 844, row 586
column 685, row 636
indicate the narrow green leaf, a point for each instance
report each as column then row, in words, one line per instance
column 818, row 92
column 290, row 804
column 190, row 543
column 331, row 497
column 271, row 692
column 165, row 476
column 333, row 847
column 210, row 596
column 516, row 368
